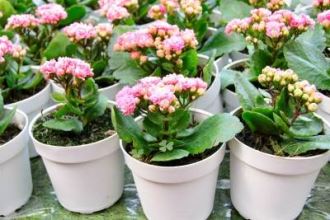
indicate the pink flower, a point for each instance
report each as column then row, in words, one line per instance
column 174, row 44
column 162, row 96
column 274, row 29
column 232, row 26
column 301, row 22
column 104, row 30
column 259, row 14
column 157, row 12
column 80, row 31
column 131, row 40
column 324, row 18
column 66, row 66
column 126, row 101
column 163, row 28
column 116, row 12
column 22, row 21
column 6, row 48
column 51, row 13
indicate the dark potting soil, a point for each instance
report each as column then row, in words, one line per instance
column 325, row 92
column 264, row 143
column 11, row 132
column 96, row 130
column 19, row 95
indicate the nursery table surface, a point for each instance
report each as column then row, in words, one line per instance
column 43, row 204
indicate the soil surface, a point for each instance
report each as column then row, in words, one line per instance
column 96, row 130
column 11, row 132
column 19, row 95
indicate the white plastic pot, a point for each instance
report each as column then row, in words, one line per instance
column 178, row 192
column 86, row 178
column 15, row 171
column 32, row 106
column 324, row 108
column 264, row 186
column 110, row 91
column 236, row 56
column 211, row 101
column 230, row 98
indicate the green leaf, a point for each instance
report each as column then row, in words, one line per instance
column 309, row 63
column 314, row 36
column 33, row 81
column 72, row 124
column 223, row 43
column 98, row 109
column 129, row 73
column 75, row 13
column 57, row 46
column 259, row 123
column 228, row 77
column 208, row 70
column 283, row 103
column 128, row 129
column 249, row 95
column 280, row 123
column 89, row 89
column 259, row 60
column 216, row 129
column 306, row 125
column 231, row 9
column 99, row 66
column 7, row 119
column 151, row 127
column 170, row 155
column 7, row 10
column 59, row 97
column 180, row 120
column 296, row 147
column 190, row 63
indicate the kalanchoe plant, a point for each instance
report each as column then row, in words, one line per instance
column 159, row 49
column 323, row 19
column 169, row 131
column 90, row 43
column 321, row 5
column 81, row 102
column 281, row 117
column 269, row 33
column 36, row 30
column 14, row 79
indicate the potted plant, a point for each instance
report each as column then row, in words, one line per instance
column 16, row 180
column 160, row 49
column 76, row 140
column 172, row 150
column 90, row 43
column 268, row 33
column 21, row 85
column 277, row 157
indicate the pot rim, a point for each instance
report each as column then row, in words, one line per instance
column 25, row 127
column 230, row 65
column 235, row 112
column 47, row 87
column 48, row 146
column 100, row 89
column 223, row 145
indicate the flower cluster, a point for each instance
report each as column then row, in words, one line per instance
column 272, row 5
column 167, row 40
column 321, row 4
column 273, row 29
column 191, row 7
column 50, row 13
column 116, row 10
column 276, row 77
column 170, row 5
column 156, row 94
column 65, row 66
column 324, row 19
column 77, row 32
column 157, row 12
column 22, row 21
column 302, row 91
column 81, row 33
column 7, row 48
